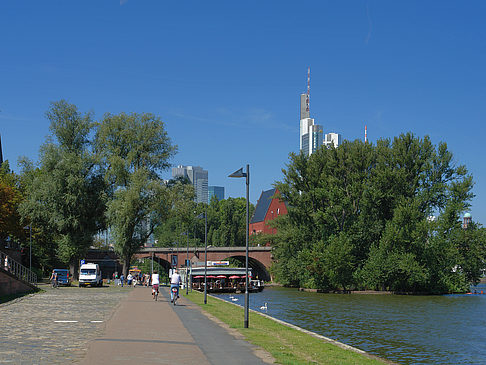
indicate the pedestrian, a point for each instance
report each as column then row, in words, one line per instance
column 122, row 279
column 6, row 263
column 117, row 281
column 53, row 279
column 129, row 279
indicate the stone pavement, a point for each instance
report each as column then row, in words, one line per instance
column 55, row 327
column 143, row 331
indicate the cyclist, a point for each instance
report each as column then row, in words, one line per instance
column 155, row 283
column 175, row 282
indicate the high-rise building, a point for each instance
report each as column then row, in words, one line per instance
column 332, row 139
column 311, row 134
column 198, row 177
column 217, row 191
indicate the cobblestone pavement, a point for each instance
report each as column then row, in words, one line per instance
column 36, row 329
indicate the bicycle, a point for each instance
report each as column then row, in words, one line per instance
column 174, row 295
column 155, row 291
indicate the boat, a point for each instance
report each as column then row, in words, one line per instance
column 222, row 279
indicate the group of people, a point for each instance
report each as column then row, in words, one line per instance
column 175, row 282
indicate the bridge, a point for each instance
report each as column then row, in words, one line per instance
column 259, row 258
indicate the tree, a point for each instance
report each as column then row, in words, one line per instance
column 10, row 199
column 134, row 150
column 358, row 217
column 65, row 195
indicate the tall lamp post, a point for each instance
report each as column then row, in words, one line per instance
column 187, row 262
column 205, row 215
column 246, row 174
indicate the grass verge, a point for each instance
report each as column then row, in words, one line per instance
column 285, row 344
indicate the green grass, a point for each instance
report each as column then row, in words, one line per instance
column 287, row 345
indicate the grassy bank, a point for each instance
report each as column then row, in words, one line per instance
column 285, row 344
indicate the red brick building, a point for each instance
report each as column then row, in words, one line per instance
column 267, row 209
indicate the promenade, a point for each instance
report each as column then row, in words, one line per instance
column 142, row 331
column 114, row 325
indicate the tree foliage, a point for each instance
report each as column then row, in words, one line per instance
column 134, row 150
column 358, row 218
column 65, row 194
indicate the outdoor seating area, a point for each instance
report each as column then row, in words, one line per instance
column 225, row 280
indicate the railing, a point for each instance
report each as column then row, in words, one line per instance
column 17, row 269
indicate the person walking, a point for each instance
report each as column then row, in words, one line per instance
column 122, row 279
column 53, row 279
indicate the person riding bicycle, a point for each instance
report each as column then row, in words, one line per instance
column 155, row 283
column 175, row 282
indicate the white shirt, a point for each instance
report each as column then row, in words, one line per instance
column 176, row 279
column 155, row 279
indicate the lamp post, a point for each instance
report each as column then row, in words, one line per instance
column 187, row 263
column 205, row 253
column 246, row 174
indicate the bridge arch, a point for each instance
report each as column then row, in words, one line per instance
column 258, row 269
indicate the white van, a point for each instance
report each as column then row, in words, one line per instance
column 90, row 274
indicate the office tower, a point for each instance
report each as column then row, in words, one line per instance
column 198, row 178
column 311, row 135
column 217, row 191
column 332, row 139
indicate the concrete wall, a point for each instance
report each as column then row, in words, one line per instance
column 9, row 284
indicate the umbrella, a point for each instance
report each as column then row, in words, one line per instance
column 211, row 277
column 234, row 277
column 198, row 277
column 220, row 277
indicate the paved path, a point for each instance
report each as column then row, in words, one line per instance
column 143, row 331
column 54, row 327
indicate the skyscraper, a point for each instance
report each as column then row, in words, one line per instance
column 198, row 177
column 332, row 139
column 311, row 135
column 217, row 191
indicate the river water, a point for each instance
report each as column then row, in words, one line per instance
column 446, row 329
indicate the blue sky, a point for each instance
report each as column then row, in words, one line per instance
column 225, row 76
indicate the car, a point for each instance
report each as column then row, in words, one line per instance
column 63, row 277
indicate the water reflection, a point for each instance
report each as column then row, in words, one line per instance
column 447, row 329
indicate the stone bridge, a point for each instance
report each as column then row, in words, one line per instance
column 259, row 258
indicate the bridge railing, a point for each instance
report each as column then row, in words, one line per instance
column 17, row 269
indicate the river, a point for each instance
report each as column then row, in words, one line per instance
column 445, row 329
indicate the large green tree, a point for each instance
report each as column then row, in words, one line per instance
column 65, row 194
column 359, row 218
column 134, row 149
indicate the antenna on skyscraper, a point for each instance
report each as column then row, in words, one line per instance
column 307, row 101
column 366, row 134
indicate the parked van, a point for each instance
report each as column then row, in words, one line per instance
column 90, row 274
column 63, row 277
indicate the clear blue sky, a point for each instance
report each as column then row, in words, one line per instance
column 225, row 76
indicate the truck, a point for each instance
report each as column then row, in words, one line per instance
column 90, row 274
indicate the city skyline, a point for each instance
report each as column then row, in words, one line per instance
column 228, row 92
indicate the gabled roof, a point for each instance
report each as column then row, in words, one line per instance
column 262, row 206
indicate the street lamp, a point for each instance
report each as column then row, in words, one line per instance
column 246, row 174
column 205, row 254
column 187, row 262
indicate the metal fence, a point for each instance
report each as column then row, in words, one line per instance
column 17, row 269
